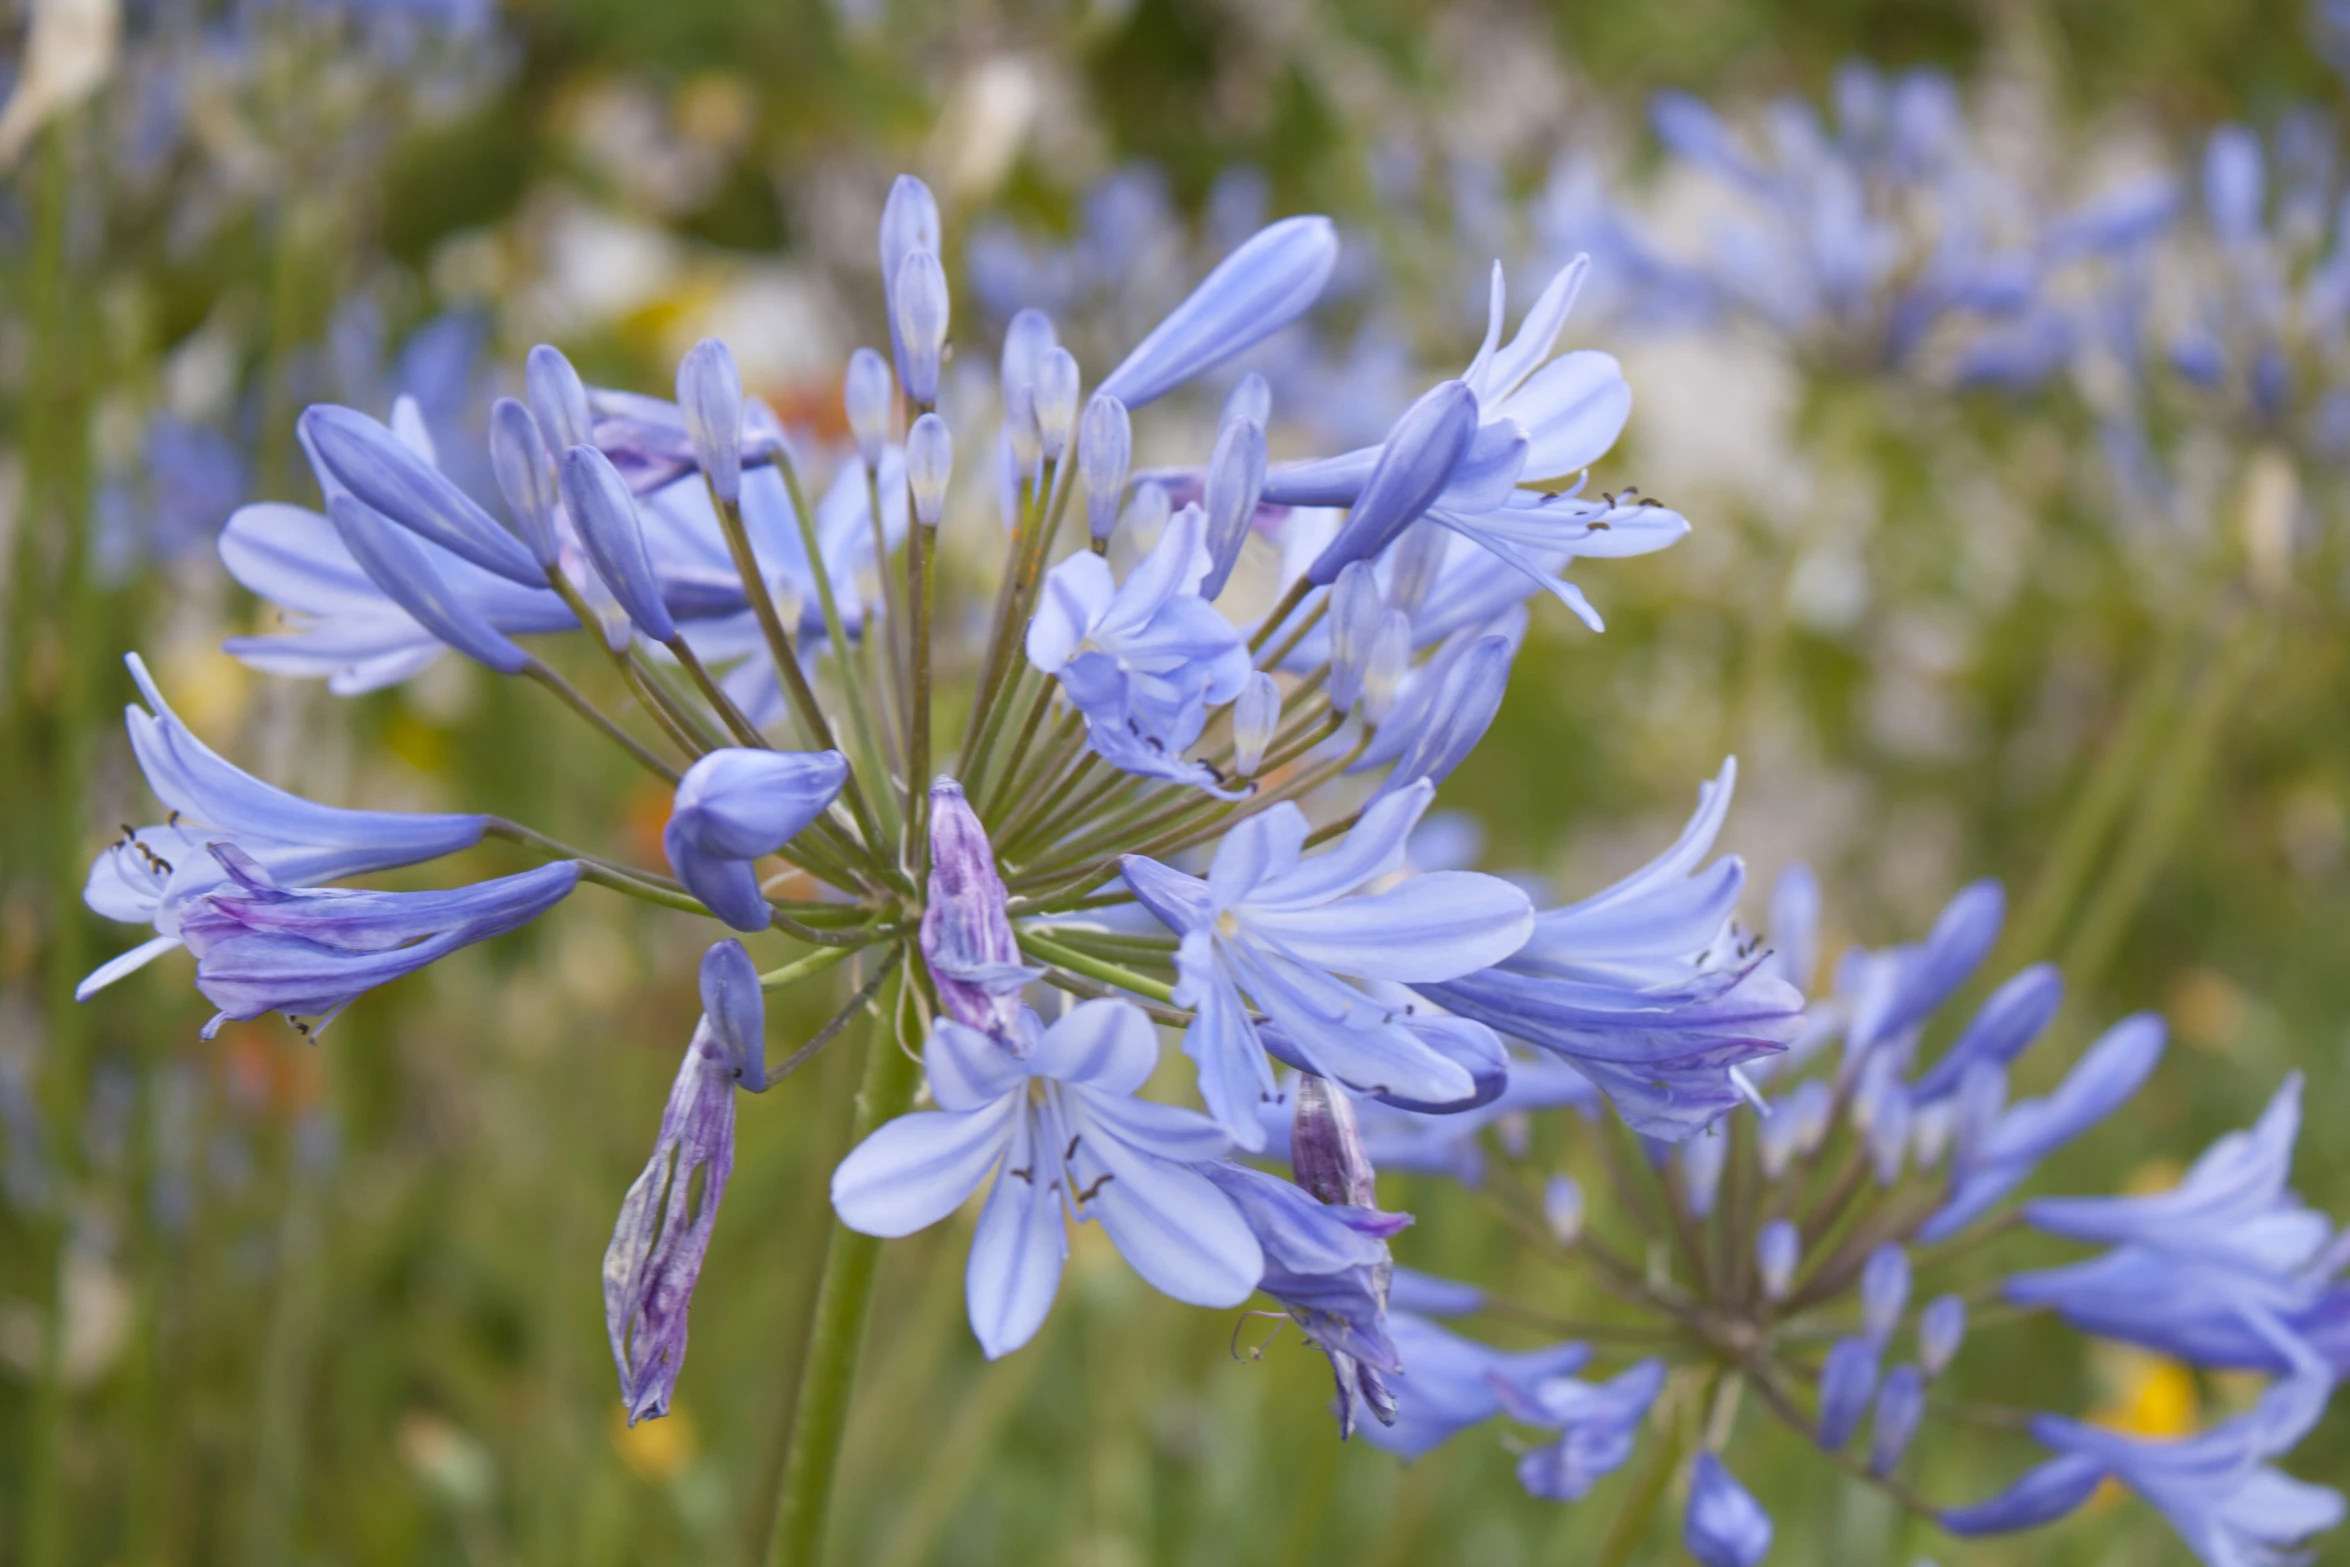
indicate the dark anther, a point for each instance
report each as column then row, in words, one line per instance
column 1089, row 1193
column 1070, row 1152
column 1025, row 1172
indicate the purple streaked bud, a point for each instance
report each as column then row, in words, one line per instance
column 1254, row 292
column 1354, row 621
column 1256, row 714
column 1383, row 670
column 710, row 395
column 1413, row 468
column 558, row 398
column 525, row 471
column 1848, row 1379
column 1236, row 476
column 909, row 222
column 1250, row 399
column 919, row 312
column 663, row 1232
column 865, row 396
column 1901, row 1404
column 1105, row 449
column 373, row 464
column 1562, row 1208
column 1941, row 1330
column 930, row 464
column 734, row 1009
column 1057, row 387
column 397, row 563
column 1777, row 1250
column 967, row 937
column 1884, row 1293
column 1724, row 1526
column 614, row 537
column 1326, row 1146
column 735, row 806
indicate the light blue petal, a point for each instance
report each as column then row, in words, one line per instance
column 919, row 1168
column 1016, row 1254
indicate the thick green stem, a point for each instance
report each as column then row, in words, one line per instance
column 836, row 1336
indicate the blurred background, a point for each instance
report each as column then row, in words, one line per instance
column 2021, row 560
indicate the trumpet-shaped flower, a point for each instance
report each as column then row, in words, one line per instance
column 1051, row 1114
column 735, row 806
column 1271, row 928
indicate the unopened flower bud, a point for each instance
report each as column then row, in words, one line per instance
column 967, row 939
column 1057, row 387
column 1724, row 1526
column 1562, row 1208
column 525, row 472
column 1020, row 430
column 1702, row 1160
column 1776, row 1252
column 1941, row 1330
column 1813, row 1107
column 1413, row 468
column 735, row 806
column 930, row 464
column 614, row 538
column 1145, row 517
column 1888, row 1134
column 1848, row 1378
column 1236, row 476
column 920, row 307
column 1901, row 1405
column 865, row 395
column 1326, row 1147
column 1884, row 1293
column 1419, row 556
column 558, row 399
column 1354, row 622
column 1028, row 338
column 710, row 394
column 1105, row 448
column 909, row 222
column 1256, row 714
column 735, row 1010
column 1383, row 671
column 1250, row 399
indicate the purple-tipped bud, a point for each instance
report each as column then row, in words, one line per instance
column 1848, row 1379
column 734, row 1009
column 1326, row 1146
column 967, row 935
column 1354, row 621
column 919, row 318
column 710, row 394
column 735, row 806
column 558, row 399
column 1413, row 468
column 1250, row 399
column 1057, row 387
column 1562, row 1208
column 395, row 562
column 1884, row 1293
column 377, row 467
column 930, row 465
column 1236, row 476
column 1724, row 1526
column 663, row 1232
column 1256, row 714
column 866, row 392
column 909, row 222
column 1383, row 670
column 525, row 471
column 1105, row 449
column 1901, row 1404
column 614, row 537
column 1703, row 1159
column 1941, row 1329
column 1777, row 1250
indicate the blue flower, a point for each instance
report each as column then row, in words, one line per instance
column 1634, row 987
column 1254, row 292
column 1450, row 1383
column 1598, row 1424
column 1268, row 927
column 1724, row 1525
column 151, row 874
column 309, row 953
column 1848, row 1379
column 1145, row 659
column 1892, row 991
column 735, row 806
column 1998, row 1150
column 374, row 465
column 2230, row 1506
column 2226, row 1268
column 1052, row 1115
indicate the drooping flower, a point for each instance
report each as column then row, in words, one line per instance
column 735, row 806
column 150, row 875
column 1269, row 928
column 1634, row 988
column 310, row 952
column 1051, row 1114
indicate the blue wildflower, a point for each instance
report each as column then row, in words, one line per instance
column 1724, row 1525
column 735, row 806
column 1451, row 1383
column 1253, row 293
column 1597, row 1424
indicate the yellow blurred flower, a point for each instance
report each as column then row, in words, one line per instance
column 654, row 1450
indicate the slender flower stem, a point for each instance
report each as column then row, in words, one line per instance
column 1076, row 962
column 690, row 731
column 835, row 629
column 857, row 1003
column 732, row 716
column 1001, row 788
column 596, row 716
column 920, row 589
column 814, row 963
column 622, row 882
column 1280, row 612
column 649, row 700
column 1638, row 1512
column 836, row 1335
column 893, row 607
